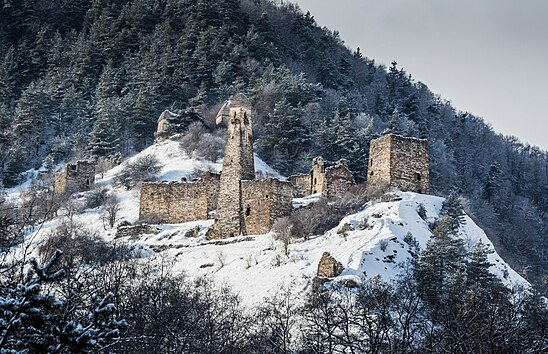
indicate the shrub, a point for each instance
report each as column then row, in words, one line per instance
column 143, row 169
column 95, row 198
column 81, row 246
column 421, row 211
column 200, row 144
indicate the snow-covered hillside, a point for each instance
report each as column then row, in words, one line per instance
column 368, row 243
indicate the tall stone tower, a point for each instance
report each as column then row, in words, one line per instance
column 400, row 162
column 238, row 165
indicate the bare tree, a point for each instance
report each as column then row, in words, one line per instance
column 282, row 229
column 111, row 210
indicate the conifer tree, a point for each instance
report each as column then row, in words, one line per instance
column 492, row 184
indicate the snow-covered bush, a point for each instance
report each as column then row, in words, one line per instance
column 33, row 320
column 143, row 169
column 81, row 246
column 200, row 144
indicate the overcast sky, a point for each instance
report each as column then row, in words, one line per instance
column 488, row 57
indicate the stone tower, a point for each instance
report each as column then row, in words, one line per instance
column 238, row 165
column 400, row 162
column 75, row 177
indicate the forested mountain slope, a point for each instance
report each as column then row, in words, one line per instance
column 81, row 77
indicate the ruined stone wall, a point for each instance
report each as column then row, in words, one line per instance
column 379, row 162
column 409, row 164
column 211, row 181
column 399, row 162
column 179, row 202
column 302, row 184
column 238, row 164
column 75, row 177
column 263, row 202
column 318, row 175
column 339, row 179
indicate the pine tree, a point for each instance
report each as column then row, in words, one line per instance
column 493, row 182
column 441, row 264
column 33, row 320
column 477, row 268
column 284, row 138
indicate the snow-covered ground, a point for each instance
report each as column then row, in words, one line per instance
column 367, row 243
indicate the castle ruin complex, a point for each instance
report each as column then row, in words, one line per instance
column 246, row 206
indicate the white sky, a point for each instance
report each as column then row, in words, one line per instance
column 488, row 57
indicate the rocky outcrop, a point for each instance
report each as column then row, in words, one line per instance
column 136, row 230
column 329, row 267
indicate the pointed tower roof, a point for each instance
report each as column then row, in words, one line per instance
column 240, row 100
column 237, row 100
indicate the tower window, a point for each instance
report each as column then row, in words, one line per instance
column 419, row 191
column 248, row 211
column 418, row 176
column 371, row 173
column 371, row 162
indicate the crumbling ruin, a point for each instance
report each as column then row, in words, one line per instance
column 329, row 267
column 244, row 206
column 399, row 162
column 328, row 178
column 178, row 202
column 75, row 177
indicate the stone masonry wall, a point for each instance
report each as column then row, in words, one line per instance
column 409, row 164
column 75, row 177
column 339, row 179
column 179, row 202
column 238, row 164
column 379, row 162
column 302, row 184
column 318, row 175
column 399, row 162
column 263, row 202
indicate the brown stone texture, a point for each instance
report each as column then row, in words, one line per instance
column 238, row 164
column 179, row 202
column 399, row 162
column 302, row 184
column 164, row 125
column 136, row 230
column 263, row 202
column 328, row 178
column 338, row 179
column 318, row 175
column 329, row 267
column 75, row 177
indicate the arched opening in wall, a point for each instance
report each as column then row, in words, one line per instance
column 315, row 181
column 248, row 211
column 371, row 162
column 246, row 121
column 371, row 173
column 73, row 167
column 419, row 191
column 418, row 177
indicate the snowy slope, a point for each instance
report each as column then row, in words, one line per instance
column 256, row 267
column 368, row 243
